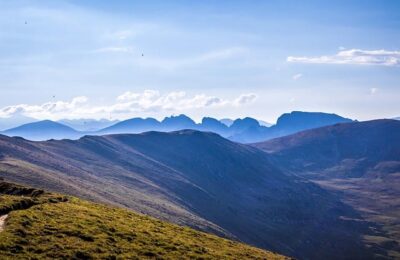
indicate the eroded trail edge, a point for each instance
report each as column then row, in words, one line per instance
column 3, row 221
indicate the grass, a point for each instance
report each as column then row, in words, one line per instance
column 377, row 199
column 66, row 227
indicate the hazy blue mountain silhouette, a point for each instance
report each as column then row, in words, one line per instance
column 210, row 124
column 180, row 122
column 43, row 130
column 227, row 121
column 88, row 124
column 246, row 130
column 133, row 125
column 298, row 121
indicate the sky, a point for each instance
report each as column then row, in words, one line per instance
column 225, row 59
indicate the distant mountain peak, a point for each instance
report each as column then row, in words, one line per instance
column 181, row 117
column 299, row 120
column 44, row 123
column 178, row 122
column 43, row 130
column 246, row 122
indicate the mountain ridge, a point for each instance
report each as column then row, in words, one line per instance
column 246, row 130
column 360, row 162
column 196, row 179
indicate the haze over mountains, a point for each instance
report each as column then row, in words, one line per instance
column 246, row 130
column 198, row 179
column 88, row 125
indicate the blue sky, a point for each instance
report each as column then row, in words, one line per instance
column 121, row 59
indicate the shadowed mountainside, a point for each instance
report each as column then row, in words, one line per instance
column 360, row 161
column 197, row 179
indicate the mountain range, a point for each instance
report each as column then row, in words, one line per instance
column 201, row 180
column 328, row 192
column 246, row 130
column 360, row 162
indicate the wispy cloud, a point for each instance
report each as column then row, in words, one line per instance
column 125, row 105
column 355, row 57
column 245, row 99
column 204, row 58
column 115, row 49
column 297, row 76
column 151, row 61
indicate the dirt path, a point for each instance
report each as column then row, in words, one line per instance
column 2, row 220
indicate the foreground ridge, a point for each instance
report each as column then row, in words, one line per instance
column 47, row 225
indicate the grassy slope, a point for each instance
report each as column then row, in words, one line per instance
column 67, row 227
column 378, row 201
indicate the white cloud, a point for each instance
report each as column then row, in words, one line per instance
column 46, row 110
column 245, row 99
column 297, row 76
column 355, row 57
column 125, row 105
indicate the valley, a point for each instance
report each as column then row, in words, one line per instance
column 360, row 163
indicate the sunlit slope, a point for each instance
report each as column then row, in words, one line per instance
column 44, row 225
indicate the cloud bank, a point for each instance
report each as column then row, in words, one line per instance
column 354, row 57
column 125, row 105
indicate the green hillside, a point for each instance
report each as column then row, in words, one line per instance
column 42, row 225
